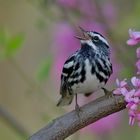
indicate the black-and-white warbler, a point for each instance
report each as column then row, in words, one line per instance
column 87, row 70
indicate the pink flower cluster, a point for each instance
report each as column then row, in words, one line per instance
column 138, row 61
column 131, row 91
column 131, row 96
column 134, row 37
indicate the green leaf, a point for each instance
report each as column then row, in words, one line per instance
column 14, row 44
column 44, row 70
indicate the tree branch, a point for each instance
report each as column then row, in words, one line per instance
column 66, row 125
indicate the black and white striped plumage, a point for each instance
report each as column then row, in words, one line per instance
column 88, row 69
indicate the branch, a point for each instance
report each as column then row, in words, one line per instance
column 66, row 125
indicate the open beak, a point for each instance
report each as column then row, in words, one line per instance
column 84, row 35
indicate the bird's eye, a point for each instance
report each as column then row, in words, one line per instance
column 96, row 38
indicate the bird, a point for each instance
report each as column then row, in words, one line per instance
column 86, row 70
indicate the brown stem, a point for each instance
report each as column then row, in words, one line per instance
column 66, row 125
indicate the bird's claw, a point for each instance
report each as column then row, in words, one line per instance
column 108, row 93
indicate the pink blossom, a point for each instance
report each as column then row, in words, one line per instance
column 138, row 52
column 131, row 106
column 131, row 120
column 132, row 117
column 121, row 87
column 122, row 83
column 137, row 93
column 132, row 102
column 135, row 81
column 131, row 42
column 129, row 96
column 134, row 37
column 117, row 91
column 138, row 66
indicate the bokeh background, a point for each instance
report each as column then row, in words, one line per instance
column 36, row 36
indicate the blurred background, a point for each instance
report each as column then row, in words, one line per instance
column 36, row 36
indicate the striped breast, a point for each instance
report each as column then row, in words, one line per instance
column 85, row 75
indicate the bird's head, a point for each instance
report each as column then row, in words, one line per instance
column 94, row 40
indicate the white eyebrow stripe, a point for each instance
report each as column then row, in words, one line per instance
column 100, row 37
column 103, row 39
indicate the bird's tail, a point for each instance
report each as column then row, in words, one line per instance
column 65, row 100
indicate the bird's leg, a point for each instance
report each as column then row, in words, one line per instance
column 107, row 92
column 77, row 108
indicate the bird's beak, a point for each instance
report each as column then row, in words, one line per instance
column 84, row 35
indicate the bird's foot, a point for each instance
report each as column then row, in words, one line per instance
column 108, row 93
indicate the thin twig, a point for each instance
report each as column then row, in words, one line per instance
column 66, row 125
column 12, row 122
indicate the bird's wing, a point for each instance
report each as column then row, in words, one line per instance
column 66, row 73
